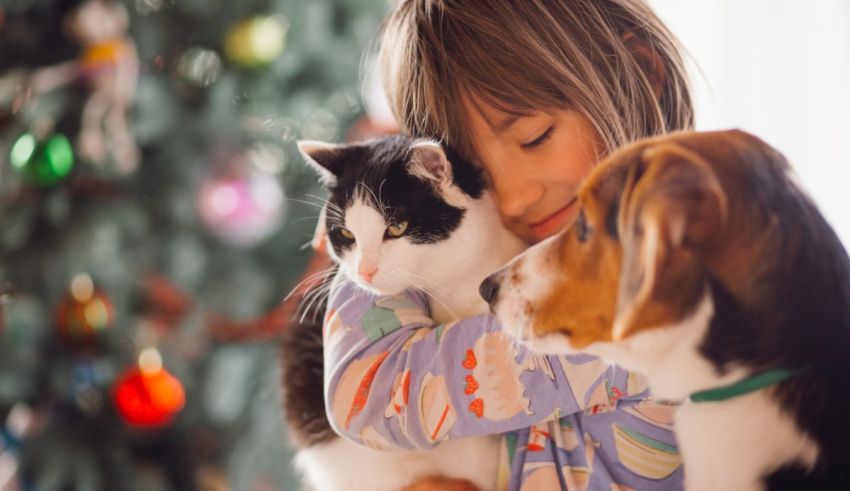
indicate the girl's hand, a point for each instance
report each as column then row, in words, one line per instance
column 435, row 483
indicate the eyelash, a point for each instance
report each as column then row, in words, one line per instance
column 540, row 140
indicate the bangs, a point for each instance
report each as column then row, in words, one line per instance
column 461, row 55
column 527, row 56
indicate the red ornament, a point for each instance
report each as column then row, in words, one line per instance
column 148, row 398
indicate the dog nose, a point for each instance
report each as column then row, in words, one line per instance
column 489, row 289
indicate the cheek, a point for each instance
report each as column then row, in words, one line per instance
column 582, row 302
column 568, row 165
column 396, row 260
column 347, row 258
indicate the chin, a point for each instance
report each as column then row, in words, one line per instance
column 524, row 233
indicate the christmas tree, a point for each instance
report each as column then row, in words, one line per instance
column 154, row 212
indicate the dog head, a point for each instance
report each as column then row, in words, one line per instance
column 656, row 218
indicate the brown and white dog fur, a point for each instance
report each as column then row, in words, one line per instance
column 696, row 260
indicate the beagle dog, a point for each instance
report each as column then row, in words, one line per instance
column 696, row 260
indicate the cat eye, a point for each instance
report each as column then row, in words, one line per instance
column 345, row 232
column 397, row 229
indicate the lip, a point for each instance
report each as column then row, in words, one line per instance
column 553, row 222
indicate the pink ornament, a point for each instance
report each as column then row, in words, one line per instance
column 242, row 210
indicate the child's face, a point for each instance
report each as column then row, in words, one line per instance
column 534, row 164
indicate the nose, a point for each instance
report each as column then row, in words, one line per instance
column 515, row 192
column 489, row 289
column 367, row 272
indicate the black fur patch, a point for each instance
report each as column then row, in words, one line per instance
column 802, row 321
column 381, row 167
column 303, row 377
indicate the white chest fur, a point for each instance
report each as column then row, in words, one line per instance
column 725, row 445
column 734, row 444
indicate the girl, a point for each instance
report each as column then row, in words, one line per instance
column 535, row 92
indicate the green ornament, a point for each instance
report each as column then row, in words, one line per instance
column 42, row 162
column 256, row 42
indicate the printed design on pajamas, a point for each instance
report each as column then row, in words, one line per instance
column 589, row 424
column 492, row 378
column 644, row 455
column 352, row 392
column 436, row 413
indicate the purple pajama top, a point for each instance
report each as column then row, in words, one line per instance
column 394, row 379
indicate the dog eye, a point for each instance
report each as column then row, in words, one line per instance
column 582, row 230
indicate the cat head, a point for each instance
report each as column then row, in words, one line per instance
column 394, row 204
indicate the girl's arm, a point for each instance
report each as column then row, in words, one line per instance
column 394, row 379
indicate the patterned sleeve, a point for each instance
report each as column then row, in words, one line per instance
column 394, row 379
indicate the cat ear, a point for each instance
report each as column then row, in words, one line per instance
column 428, row 162
column 325, row 158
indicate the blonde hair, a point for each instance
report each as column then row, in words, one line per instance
column 603, row 58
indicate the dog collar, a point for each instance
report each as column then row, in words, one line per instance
column 749, row 384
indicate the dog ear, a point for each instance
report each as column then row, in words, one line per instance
column 672, row 207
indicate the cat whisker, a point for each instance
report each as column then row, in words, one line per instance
column 330, row 208
column 308, row 217
column 322, row 199
column 437, row 299
column 425, row 279
column 319, row 295
column 311, row 203
column 380, row 197
column 326, row 202
column 306, row 245
column 314, row 278
column 310, row 300
column 431, row 290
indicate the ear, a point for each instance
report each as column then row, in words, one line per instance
column 671, row 210
column 428, row 162
column 325, row 158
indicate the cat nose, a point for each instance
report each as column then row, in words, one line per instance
column 367, row 274
column 489, row 289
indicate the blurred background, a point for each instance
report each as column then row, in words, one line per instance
column 154, row 210
column 779, row 69
column 153, row 214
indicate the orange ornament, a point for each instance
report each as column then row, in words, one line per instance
column 84, row 312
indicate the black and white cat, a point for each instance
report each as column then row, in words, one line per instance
column 402, row 213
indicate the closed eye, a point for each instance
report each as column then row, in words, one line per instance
column 540, row 140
